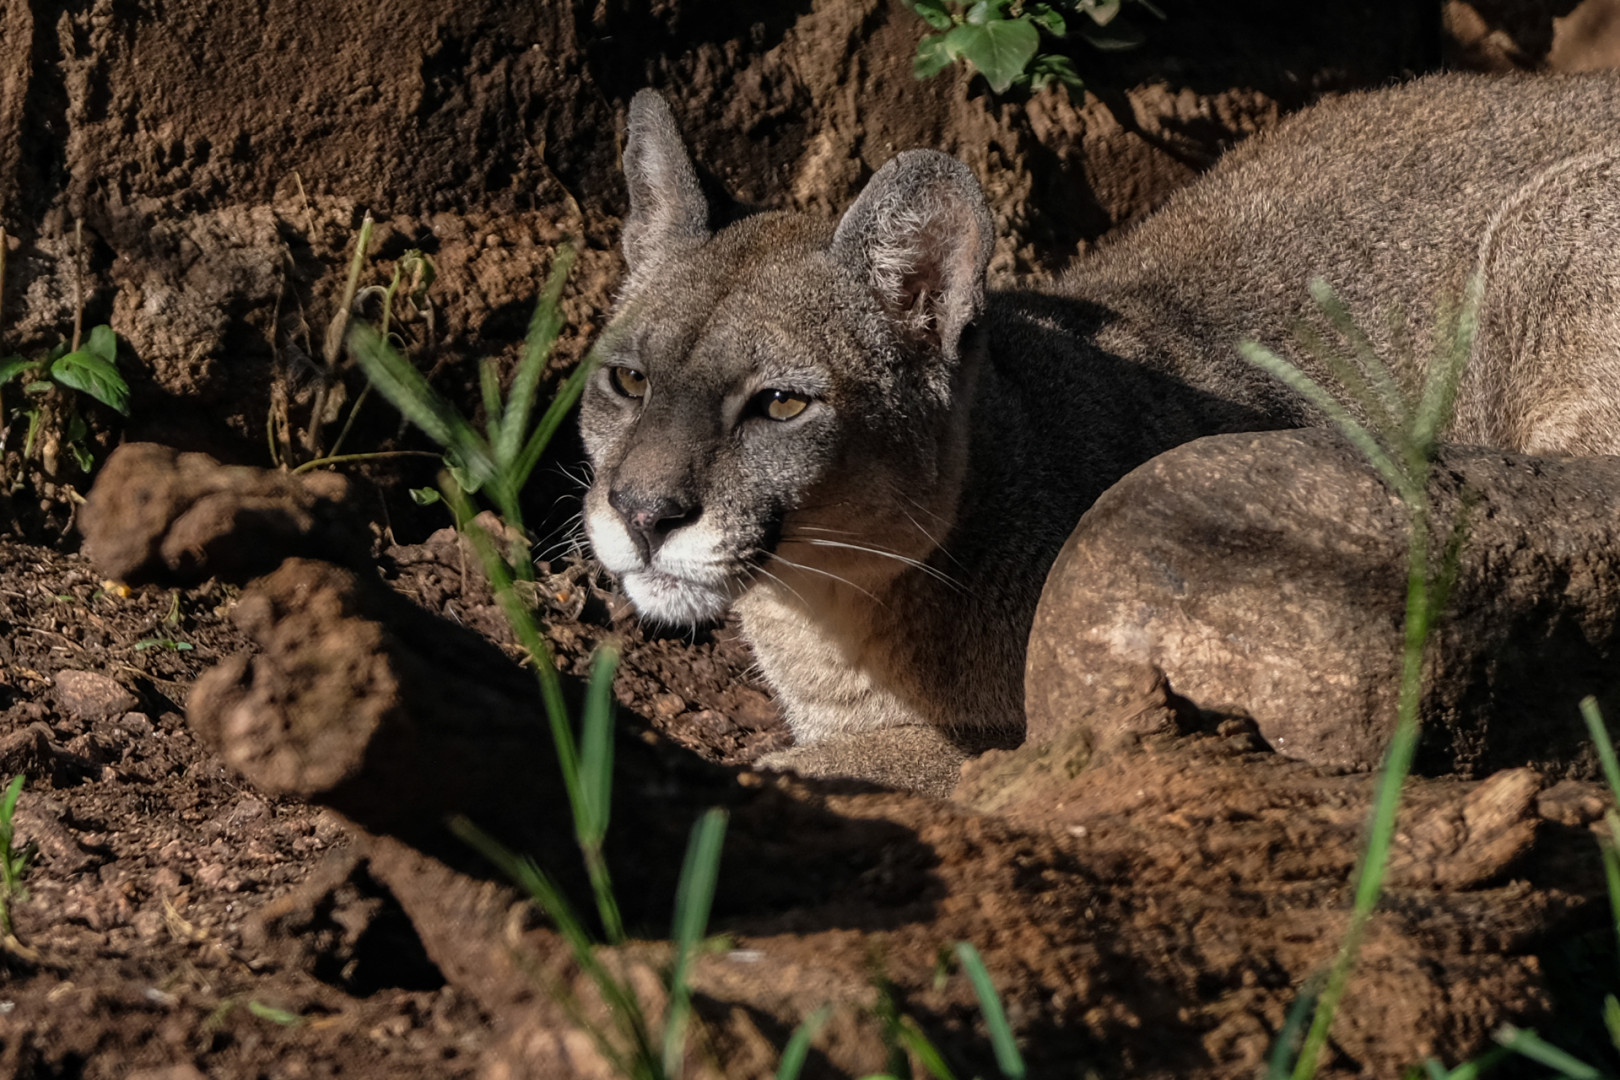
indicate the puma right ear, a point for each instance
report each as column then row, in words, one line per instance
column 921, row 235
column 668, row 212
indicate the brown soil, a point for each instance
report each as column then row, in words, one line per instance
column 188, row 915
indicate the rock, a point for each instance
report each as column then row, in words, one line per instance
column 1264, row 574
column 89, row 696
column 155, row 511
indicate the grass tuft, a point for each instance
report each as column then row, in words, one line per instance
column 1398, row 438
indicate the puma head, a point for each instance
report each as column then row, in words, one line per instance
column 783, row 400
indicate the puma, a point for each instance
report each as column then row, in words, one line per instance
column 837, row 431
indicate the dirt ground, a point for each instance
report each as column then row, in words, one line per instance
column 181, row 920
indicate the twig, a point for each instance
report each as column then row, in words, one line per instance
column 78, row 281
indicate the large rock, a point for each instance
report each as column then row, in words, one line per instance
column 1264, row 574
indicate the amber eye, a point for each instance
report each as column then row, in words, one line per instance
column 780, row 404
column 628, row 382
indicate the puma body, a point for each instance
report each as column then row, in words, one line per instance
column 835, row 429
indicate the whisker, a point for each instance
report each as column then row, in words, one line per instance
column 898, row 557
column 827, row 574
column 784, row 585
column 822, row 528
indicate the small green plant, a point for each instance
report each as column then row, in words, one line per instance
column 404, row 298
column 171, row 644
column 497, row 462
column 1398, row 437
column 50, row 385
column 907, row 1042
column 13, row 860
column 274, row 1015
column 1003, row 39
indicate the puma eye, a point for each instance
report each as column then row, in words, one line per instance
column 628, row 382
column 779, row 404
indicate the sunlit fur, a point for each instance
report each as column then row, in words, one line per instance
column 885, row 549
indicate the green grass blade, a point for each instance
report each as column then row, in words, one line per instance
column 1350, row 377
column 567, row 394
column 1312, row 391
column 1468, row 1070
column 529, row 878
column 596, row 789
column 544, row 326
column 1611, row 1019
column 1395, row 413
column 694, row 896
column 549, row 899
column 1611, row 865
column 1008, row 1059
column 397, row 379
column 8, row 802
column 1537, row 1049
column 533, row 642
column 1445, row 579
column 1445, row 373
column 1605, row 746
column 489, row 385
column 797, row 1049
column 1281, row 1063
column 596, row 745
column 912, row 1038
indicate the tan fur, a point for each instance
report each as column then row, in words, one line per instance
column 957, row 436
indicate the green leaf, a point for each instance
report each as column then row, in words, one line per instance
column 1605, row 746
column 694, row 894
column 1000, row 50
column 274, row 1015
column 8, row 802
column 425, row 496
column 13, row 366
column 399, row 381
column 544, row 326
column 1537, row 1049
column 798, row 1045
column 933, row 12
column 912, row 1038
column 932, row 57
column 1048, row 18
column 1008, row 1059
column 596, row 747
column 91, row 374
column 986, row 11
column 104, row 343
column 1051, row 68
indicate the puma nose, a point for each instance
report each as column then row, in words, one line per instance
column 651, row 518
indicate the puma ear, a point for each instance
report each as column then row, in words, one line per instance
column 668, row 211
column 921, row 235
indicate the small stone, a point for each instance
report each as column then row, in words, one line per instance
column 668, row 705
column 89, row 695
column 137, row 724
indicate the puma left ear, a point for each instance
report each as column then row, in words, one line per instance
column 921, row 235
column 668, row 211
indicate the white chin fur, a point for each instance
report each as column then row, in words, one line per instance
column 670, row 600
